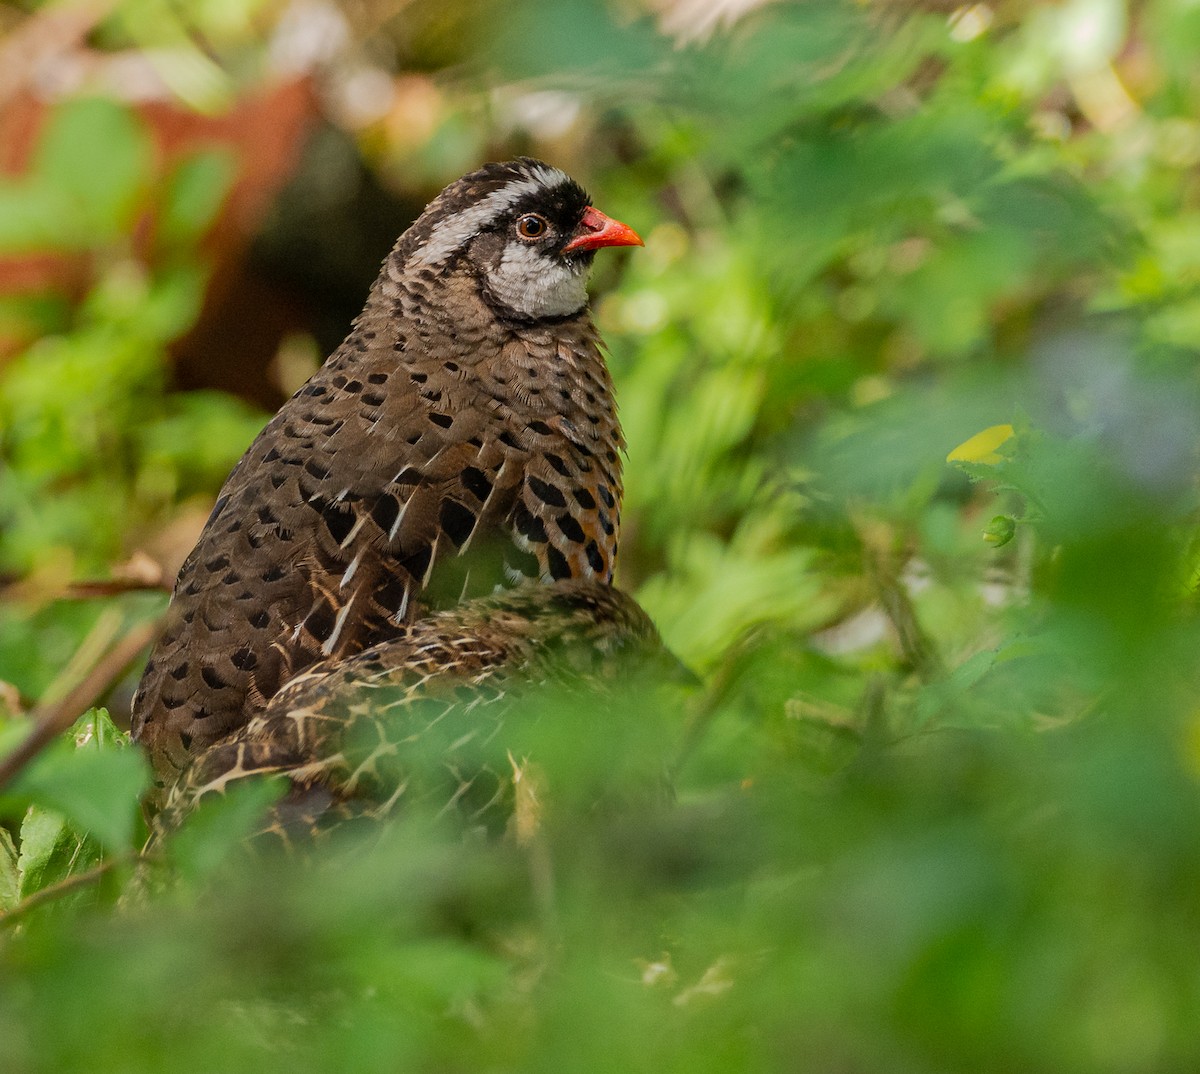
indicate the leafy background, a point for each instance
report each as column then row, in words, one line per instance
column 936, row 802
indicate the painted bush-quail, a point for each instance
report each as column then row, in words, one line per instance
column 462, row 435
column 419, row 719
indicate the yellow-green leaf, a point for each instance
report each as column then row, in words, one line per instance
column 981, row 448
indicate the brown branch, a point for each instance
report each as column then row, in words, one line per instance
column 46, row 36
column 86, row 589
column 919, row 651
column 883, row 564
column 52, row 719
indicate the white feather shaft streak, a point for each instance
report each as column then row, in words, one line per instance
column 338, row 623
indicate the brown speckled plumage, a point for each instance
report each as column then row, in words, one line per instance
column 347, row 734
column 453, row 442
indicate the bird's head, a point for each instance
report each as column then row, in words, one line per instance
column 525, row 230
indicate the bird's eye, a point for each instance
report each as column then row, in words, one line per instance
column 532, row 226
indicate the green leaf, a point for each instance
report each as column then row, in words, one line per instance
column 51, row 851
column 96, row 787
column 983, row 447
column 97, row 156
column 193, row 196
column 201, row 438
column 10, row 876
column 95, row 727
column 34, row 216
column 41, row 833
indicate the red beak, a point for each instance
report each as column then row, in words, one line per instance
column 596, row 230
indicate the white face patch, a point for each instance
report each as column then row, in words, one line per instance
column 450, row 234
column 534, row 285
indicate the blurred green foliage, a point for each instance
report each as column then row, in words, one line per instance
column 94, row 448
column 937, row 805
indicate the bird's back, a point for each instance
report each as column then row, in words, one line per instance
column 353, row 736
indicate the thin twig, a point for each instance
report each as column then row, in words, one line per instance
column 100, row 639
column 705, row 709
column 86, row 589
column 883, row 569
column 63, row 887
column 51, row 720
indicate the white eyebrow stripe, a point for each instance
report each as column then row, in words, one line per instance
column 548, row 176
column 450, row 234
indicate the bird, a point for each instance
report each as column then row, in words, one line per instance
column 420, row 718
column 464, row 436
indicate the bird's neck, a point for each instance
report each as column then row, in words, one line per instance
column 550, row 367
